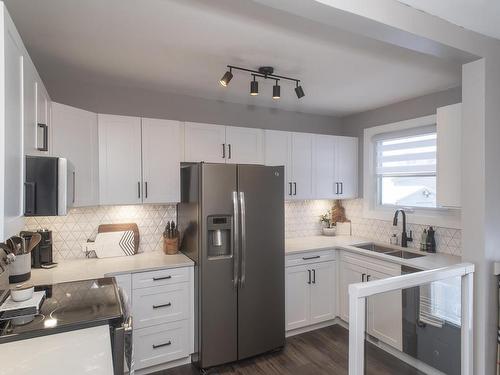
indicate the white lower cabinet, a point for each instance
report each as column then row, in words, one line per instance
column 161, row 305
column 384, row 311
column 310, row 293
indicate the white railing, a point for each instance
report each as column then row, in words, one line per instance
column 358, row 293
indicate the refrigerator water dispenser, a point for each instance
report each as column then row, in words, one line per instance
column 220, row 228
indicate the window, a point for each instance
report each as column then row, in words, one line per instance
column 406, row 167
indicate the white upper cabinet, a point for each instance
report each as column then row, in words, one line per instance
column 301, row 171
column 244, row 145
column 346, row 167
column 205, row 142
column 449, row 156
column 278, row 151
column 43, row 117
column 120, row 179
column 74, row 137
column 161, row 158
column 12, row 129
column 326, row 186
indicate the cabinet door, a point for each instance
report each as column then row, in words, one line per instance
column 244, row 145
column 349, row 274
column 161, row 158
column 12, row 150
column 29, row 110
column 385, row 314
column 302, row 166
column 42, row 117
column 346, row 151
column 323, row 292
column 449, row 156
column 74, row 137
column 278, row 151
column 205, row 142
column 324, row 167
column 297, row 297
column 119, row 159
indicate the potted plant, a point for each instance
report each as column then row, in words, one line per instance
column 329, row 228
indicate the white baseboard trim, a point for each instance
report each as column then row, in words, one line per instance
column 313, row 327
column 164, row 366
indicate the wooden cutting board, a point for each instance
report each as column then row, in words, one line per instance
column 121, row 228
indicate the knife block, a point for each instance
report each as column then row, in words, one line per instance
column 170, row 245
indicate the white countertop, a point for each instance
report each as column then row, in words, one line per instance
column 84, row 269
column 315, row 243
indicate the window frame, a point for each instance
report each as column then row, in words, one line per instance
column 443, row 217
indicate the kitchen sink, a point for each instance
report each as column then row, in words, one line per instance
column 389, row 251
column 404, row 254
column 374, row 247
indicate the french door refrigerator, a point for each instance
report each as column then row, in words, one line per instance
column 231, row 219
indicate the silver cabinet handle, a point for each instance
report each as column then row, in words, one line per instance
column 74, row 186
column 309, row 280
column 229, row 145
column 314, row 277
column 163, row 305
column 236, row 239
column 162, row 345
column 139, row 189
column 243, row 238
column 223, row 151
column 146, row 189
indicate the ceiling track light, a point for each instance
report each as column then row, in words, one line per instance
column 276, row 91
column 254, row 86
column 266, row 72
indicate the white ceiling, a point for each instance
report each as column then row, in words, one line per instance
column 183, row 46
column 482, row 16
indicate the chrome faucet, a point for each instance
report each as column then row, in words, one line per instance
column 404, row 237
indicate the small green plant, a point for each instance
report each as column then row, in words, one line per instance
column 326, row 219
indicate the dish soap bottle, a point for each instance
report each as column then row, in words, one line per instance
column 431, row 241
column 423, row 241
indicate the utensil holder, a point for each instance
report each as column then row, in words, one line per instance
column 170, row 245
column 20, row 269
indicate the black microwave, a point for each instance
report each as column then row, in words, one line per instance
column 49, row 189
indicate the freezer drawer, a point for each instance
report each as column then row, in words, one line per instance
column 161, row 304
column 160, row 344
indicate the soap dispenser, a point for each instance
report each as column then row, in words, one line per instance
column 431, row 241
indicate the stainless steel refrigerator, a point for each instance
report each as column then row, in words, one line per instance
column 231, row 219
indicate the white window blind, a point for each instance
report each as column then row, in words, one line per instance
column 412, row 152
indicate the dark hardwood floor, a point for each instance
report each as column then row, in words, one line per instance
column 323, row 351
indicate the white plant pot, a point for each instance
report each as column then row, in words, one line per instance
column 329, row 231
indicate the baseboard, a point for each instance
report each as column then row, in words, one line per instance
column 164, row 366
column 313, row 327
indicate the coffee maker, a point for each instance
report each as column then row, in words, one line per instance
column 41, row 255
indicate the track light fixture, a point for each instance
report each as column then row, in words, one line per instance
column 276, row 91
column 266, row 72
column 226, row 78
column 254, row 87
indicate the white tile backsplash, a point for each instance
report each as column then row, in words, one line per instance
column 301, row 219
column 448, row 240
column 71, row 231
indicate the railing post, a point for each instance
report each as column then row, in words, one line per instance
column 467, row 365
column 357, row 321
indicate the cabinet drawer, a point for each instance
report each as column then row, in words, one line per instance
column 161, row 344
column 310, row 257
column 161, row 277
column 161, row 304
column 388, row 268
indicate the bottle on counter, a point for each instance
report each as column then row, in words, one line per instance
column 394, row 239
column 431, row 241
column 423, row 241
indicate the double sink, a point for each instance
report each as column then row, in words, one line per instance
column 389, row 251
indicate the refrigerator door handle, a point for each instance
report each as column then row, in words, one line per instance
column 236, row 239
column 243, row 239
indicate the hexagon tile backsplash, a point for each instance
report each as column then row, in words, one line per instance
column 301, row 219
